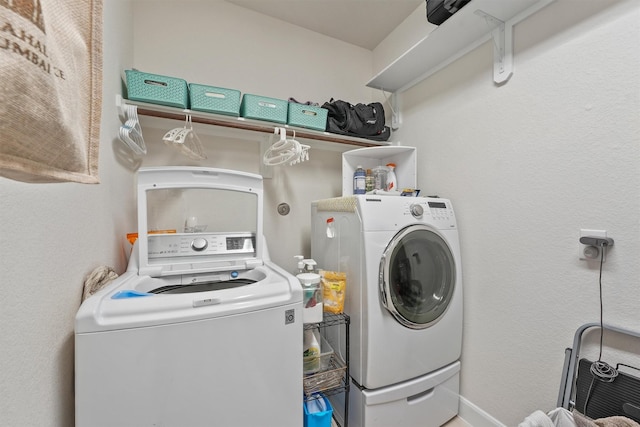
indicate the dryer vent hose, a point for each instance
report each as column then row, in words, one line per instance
column 97, row 279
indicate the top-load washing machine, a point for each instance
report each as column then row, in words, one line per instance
column 404, row 296
column 202, row 329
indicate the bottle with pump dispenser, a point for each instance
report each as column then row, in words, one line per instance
column 299, row 264
column 359, row 178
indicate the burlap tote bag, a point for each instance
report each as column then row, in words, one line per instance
column 51, row 84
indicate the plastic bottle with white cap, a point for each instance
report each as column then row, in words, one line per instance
column 392, row 181
column 359, row 178
column 310, row 352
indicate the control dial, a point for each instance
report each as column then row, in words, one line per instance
column 416, row 210
column 199, row 244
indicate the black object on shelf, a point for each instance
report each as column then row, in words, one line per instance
column 336, row 366
column 439, row 11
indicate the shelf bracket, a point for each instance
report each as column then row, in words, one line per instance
column 120, row 106
column 502, row 36
column 396, row 118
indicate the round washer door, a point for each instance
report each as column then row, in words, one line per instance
column 417, row 276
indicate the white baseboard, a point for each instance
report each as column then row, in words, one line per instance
column 475, row 416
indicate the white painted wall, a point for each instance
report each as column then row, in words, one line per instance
column 221, row 44
column 52, row 236
column 527, row 165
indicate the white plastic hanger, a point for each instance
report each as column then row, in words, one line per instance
column 131, row 132
column 285, row 150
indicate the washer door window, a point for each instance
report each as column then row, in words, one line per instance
column 417, row 276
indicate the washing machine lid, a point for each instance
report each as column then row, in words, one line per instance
column 417, row 276
column 193, row 219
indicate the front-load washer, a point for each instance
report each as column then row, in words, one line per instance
column 202, row 328
column 401, row 256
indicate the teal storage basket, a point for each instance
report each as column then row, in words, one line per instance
column 213, row 99
column 263, row 108
column 157, row 89
column 307, row 116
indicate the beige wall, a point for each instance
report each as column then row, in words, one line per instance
column 52, row 236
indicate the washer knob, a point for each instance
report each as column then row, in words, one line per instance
column 416, row 210
column 199, row 244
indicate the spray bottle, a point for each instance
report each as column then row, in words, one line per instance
column 392, row 181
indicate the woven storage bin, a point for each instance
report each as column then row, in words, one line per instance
column 307, row 116
column 330, row 376
column 214, row 99
column 157, row 89
column 263, row 108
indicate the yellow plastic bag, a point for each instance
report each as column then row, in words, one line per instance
column 334, row 284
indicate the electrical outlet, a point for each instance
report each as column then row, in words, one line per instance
column 591, row 253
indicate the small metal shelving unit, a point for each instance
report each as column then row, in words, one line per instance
column 336, row 320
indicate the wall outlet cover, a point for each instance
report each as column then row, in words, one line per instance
column 585, row 252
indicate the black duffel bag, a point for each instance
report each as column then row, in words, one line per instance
column 360, row 120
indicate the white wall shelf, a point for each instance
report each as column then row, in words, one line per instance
column 405, row 159
column 474, row 24
column 247, row 128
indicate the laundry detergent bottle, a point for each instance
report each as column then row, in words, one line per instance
column 359, row 178
column 311, row 352
column 392, row 181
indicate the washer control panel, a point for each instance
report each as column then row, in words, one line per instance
column 437, row 212
column 196, row 244
column 384, row 212
column 440, row 210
